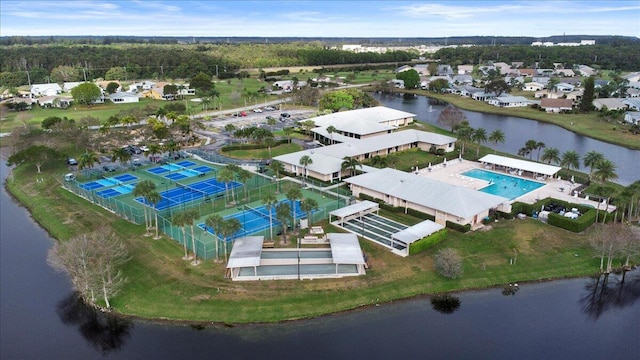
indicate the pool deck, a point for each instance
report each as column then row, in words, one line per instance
column 555, row 188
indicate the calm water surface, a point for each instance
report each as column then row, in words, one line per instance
column 518, row 131
column 40, row 319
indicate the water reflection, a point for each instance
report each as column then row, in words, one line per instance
column 605, row 293
column 446, row 304
column 105, row 332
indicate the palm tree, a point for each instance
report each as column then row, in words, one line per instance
column 379, row 161
column 288, row 131
column 305, row 161
column 294, row 194
column 591, row 159
column 179, row 219
column 277, row 167
column 189, row 216
column 87, row 160
column 539, row 146
column 269, row 143
column 308, row 205
column 551, row 155
column 228, row 228
column 530, row 145
column 120, row 154
column 392, row 160
column 330, row 130
column 144, row 188
column 269, row 200
column 153, row 198
column 154, row 149
column 215, row 222
column 465, row 133
column 226, row 175
column 283, row 213
column 570, row 160
column 350, row 163
column 243, row 176
column 496, row 137
column 605, row 170
column 479, row 136
column 172, row 146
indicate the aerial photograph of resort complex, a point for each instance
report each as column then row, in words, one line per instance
column 427, row 179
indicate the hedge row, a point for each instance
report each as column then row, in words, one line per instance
column 427, row 242
column 574, row 225
column 458, row 227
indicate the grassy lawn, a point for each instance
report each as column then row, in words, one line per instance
column 264, row 153
column 161, row 285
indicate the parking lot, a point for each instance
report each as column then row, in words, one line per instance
column 261, row 118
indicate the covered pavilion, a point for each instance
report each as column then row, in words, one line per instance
column 517, row 167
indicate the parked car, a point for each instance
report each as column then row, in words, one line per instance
column 285, row 115
column 269, row 117
column 258, row 110
column 72, row 162
column 137, row 162
column 144, row 148
column 108, row 168
column 269, row 108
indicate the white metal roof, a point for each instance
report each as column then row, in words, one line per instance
column 355, row 208
column 454, row 200
column 378, row 114
column 417, row 231
column 246, row 252
column 345, row 248
column 328, row 159
column 525, row 165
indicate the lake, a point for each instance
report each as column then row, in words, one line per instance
column 41, row 319
column 518, row 131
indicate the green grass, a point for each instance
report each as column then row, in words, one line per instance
column 161, row 285
column 264, row 153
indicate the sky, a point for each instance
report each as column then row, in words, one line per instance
column 320, row 18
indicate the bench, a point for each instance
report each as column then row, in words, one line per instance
column 268, row 245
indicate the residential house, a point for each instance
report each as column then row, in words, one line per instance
column 564, row 73
column 632, row 77
column 421, row 69
column 549, row 93
column 632, row 117
column 585, row 70
column 509, row 101
column 52, row 89
column 564, row 87
column 517, row 64
column 445, row 70
column 483, row 96
column 503, row 68
column 633, row 93
column 154, row 93
column 61, row 102
column 465, row 69
column 541, row 79
column 556, row 105
column 527, row 72
column 463, row 79
column 403, row 68
column 397, row 83
column 360, row 123
column 610, row 104
column 632, row 103
column 599, row 83
column 575, row 95
column 66, row 87
column 122, row 97
column 533, row 86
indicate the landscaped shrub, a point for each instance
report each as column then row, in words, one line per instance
column 448, row 263
column 427, row 242
column 458, row 227
column 574, row 225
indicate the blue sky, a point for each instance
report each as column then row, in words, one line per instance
column 320, row 18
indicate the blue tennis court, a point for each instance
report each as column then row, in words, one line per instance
column 255, row 220
column 94, row 185
column 184, row 194
column 125, row 178
column 203, row 169
column 186, row 163
column 158, row 170
column 118, row 190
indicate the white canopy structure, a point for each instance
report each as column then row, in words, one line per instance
column 246, row 252
column 530, row 166
column 417, row 232
column 359, row 208
column 345, row 249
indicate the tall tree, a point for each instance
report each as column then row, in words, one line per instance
column 308, row 205
column 591, row 159
column 451, row 116
column 497, row 136
column 570, row 160
column 38, row 155
column 226, row 176
column 293, row 194
column 465, row 134
column 189, row 216
column 228, row 229
column 201, row 82
column 244, row 176
column 531, row 145
column 87, row 160
column 497, row 87
column 551, row 155
column 86, row 93
column 179, row 219
column 305, row 161
column 586, row 102
column 216, row 222
column 410, row 77
column 479, row 137
column 153, row 198
column 283, row 213
column 120, row 154
column 350, row 163
column 269, row 200
column 379, row 161
column 336, row 101
column 144, row 188
column 330, row 130
column 605, row 170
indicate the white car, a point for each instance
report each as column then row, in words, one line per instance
column 144, row 148
column 257, row 110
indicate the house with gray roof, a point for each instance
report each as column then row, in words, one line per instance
column 445, row 202
column 610, row 104
column 509, row 101
column 361, row 123
column 632, row 117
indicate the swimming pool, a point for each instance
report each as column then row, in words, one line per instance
column 509, row 187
